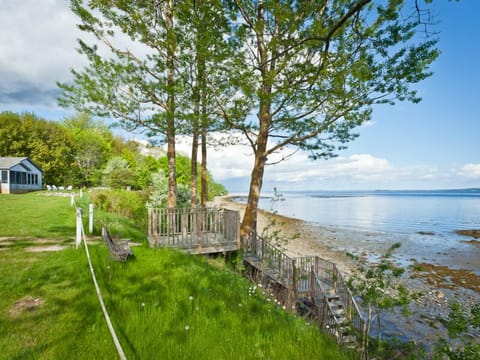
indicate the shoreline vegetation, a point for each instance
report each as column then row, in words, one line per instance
column 440, row 285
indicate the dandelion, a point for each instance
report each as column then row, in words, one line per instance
column 143, row 304
column 190, row 298
column 187, row 327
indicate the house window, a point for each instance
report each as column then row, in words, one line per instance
column 4, row 176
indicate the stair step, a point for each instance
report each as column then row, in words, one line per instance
column 337, row 304
column 350, row 339
column 338, row 311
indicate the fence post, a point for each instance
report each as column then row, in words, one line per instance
column 263, row 247
column 294, row 283
column 72, row 200
column 90, row 218
column 334, row 277
column 312, row 281
column 78, row 239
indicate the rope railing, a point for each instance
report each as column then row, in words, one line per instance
column 113, row 334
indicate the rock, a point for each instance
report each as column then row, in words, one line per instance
column 475, row 233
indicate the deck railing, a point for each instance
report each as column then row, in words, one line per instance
column 190, row 228
column 312, row 275
column 273, row 258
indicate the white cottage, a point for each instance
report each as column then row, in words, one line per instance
column 19, row 175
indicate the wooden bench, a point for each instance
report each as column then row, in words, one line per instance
column 118, row 251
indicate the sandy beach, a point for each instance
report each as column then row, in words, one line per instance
column 440, row 284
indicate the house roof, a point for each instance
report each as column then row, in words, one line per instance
column 9, row 162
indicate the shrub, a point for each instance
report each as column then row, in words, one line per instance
column 130, row 204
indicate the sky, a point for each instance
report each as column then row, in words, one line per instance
column 431, row 145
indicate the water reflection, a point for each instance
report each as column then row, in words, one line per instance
column 386, row 213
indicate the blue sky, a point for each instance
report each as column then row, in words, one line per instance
column 431, row 145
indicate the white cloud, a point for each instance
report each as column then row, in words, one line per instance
column 368, row 123
column 470, row 171
column 233, row 165
column 298, row 171
column 37, row 48
column 234, row 161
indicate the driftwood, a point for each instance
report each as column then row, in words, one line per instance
column 118, row 251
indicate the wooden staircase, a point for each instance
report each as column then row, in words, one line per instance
column 343, row 328
column 316, row 287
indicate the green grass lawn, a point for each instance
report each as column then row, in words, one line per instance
column 36, row 215
column 164, row 304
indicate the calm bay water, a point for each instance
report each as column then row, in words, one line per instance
column 386, row 211
column 424, row 222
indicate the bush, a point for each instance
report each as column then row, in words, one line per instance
column 120, row 178
column 130, row 204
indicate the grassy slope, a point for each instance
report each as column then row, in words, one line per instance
column 164, row 304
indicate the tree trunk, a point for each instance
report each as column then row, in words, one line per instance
column 193, row 169
column 204, row 182
column 172, row 176
column 248, row 227
column 249, row 223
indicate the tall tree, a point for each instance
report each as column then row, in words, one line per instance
column 205, row 55
column 312, row 70
column 131, row 71
column 91, row 147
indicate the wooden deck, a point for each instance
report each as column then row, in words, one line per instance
column 197, row 231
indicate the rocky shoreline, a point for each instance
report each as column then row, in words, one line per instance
column 439, row 284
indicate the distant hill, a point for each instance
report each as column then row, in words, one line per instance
column 146, row 149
